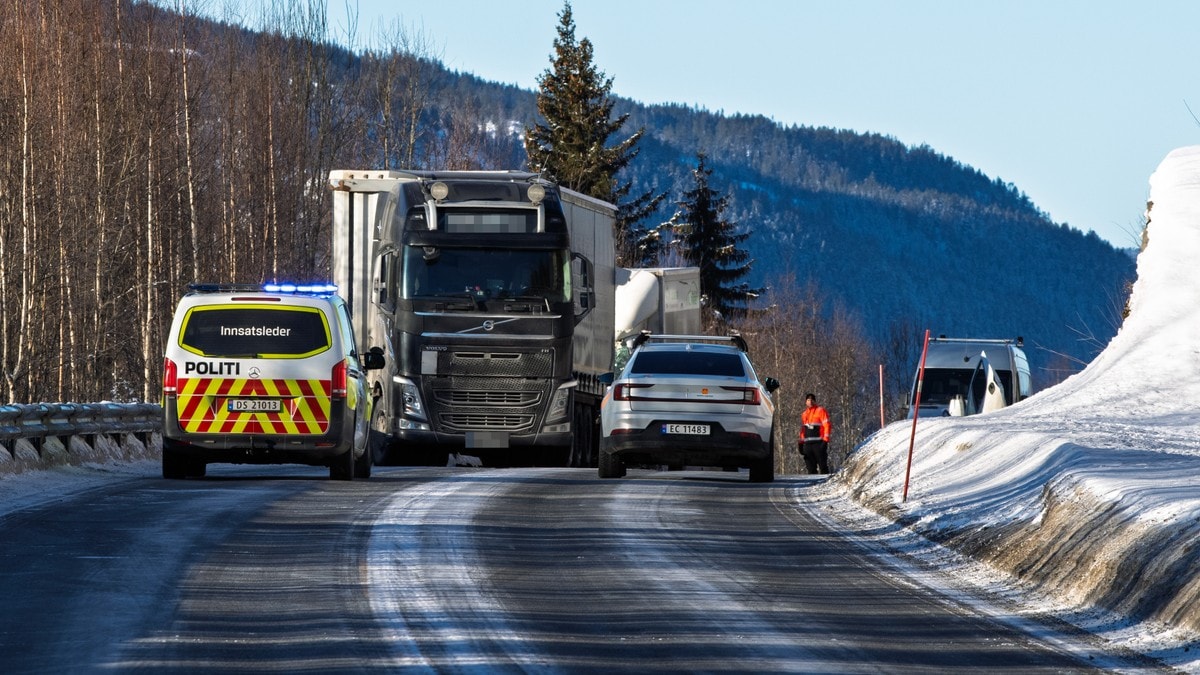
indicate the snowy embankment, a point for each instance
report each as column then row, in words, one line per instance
column 1088, row 493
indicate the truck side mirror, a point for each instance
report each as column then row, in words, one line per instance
column 373, row 359
column 581, row 284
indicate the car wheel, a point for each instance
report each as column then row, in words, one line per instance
column 342, row 466
column 763, row 470
column 611, row 466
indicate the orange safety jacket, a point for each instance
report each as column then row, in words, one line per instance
column 815, row 418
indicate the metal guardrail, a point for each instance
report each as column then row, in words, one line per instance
column 45, row 420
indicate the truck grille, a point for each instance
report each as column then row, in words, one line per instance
column 461, row 404
column 506, row 399
column 496, row 364
column 482, row 421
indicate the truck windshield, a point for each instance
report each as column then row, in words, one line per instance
column 486, row 274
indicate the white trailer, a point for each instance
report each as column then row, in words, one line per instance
column 658, row 299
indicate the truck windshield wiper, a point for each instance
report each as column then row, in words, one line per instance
column 530, row 302
column 454, row 300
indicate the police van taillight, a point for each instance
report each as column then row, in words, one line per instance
column 339, row 379
column 170, row 375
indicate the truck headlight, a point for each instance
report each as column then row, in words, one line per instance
column 560, row 403
column 410, row 399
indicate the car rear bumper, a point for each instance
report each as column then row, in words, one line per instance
column 719, row 448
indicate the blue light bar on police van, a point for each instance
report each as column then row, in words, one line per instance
column 304, row 289
column 271, row 287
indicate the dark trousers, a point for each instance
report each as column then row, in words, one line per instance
column 816, row 456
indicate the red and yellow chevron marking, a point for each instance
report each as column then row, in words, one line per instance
column 202, row 406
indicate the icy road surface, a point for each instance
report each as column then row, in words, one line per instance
column 278, row 568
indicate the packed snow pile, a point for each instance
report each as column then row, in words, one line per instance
column 1087, row 493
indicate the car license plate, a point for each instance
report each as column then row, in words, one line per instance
column 686, row 429
column 253, row 405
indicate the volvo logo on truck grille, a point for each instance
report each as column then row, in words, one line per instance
column 488, row 325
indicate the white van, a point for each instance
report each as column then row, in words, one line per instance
column 966, row 376
column 265, row 374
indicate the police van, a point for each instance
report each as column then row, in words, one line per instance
column 265, row 374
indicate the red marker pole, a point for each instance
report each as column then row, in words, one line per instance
column 882, row 422
column 916, row 411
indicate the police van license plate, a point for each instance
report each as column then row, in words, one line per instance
column 686, row 429
column 253, row 405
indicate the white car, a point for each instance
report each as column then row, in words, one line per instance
column 688, row 400
column 264, row 375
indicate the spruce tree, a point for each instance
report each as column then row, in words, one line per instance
column 571, row 146
column 711, row 244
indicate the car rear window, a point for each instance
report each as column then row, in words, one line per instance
column 687, row 363
column 255, row 332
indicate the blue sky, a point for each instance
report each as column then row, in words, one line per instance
column 1073, row 102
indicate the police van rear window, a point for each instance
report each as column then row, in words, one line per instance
column 255, row 331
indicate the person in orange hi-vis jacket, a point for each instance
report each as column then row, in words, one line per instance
column 814, row 435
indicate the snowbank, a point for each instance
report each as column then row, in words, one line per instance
column 1087, row 493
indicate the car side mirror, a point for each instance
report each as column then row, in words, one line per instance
column 373, row 359
column 771, row 384
column 605, row 378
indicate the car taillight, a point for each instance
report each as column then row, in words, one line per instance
column 170, row 376
column 750, row 395
column 624, row 391
column 339, row 379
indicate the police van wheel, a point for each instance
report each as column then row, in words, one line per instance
column 342, row 467
column 176, row 466
column 362, row 465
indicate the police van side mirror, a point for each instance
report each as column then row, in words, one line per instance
column 373, row 359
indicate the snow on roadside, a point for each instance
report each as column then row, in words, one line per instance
column 1087, row 494
column 30, row 489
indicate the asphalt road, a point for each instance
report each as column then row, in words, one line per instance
column 473, row 570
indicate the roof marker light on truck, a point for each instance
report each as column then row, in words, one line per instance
column 536, row 193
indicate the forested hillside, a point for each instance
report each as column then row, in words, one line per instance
column 902, row 237
column 142, row 149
